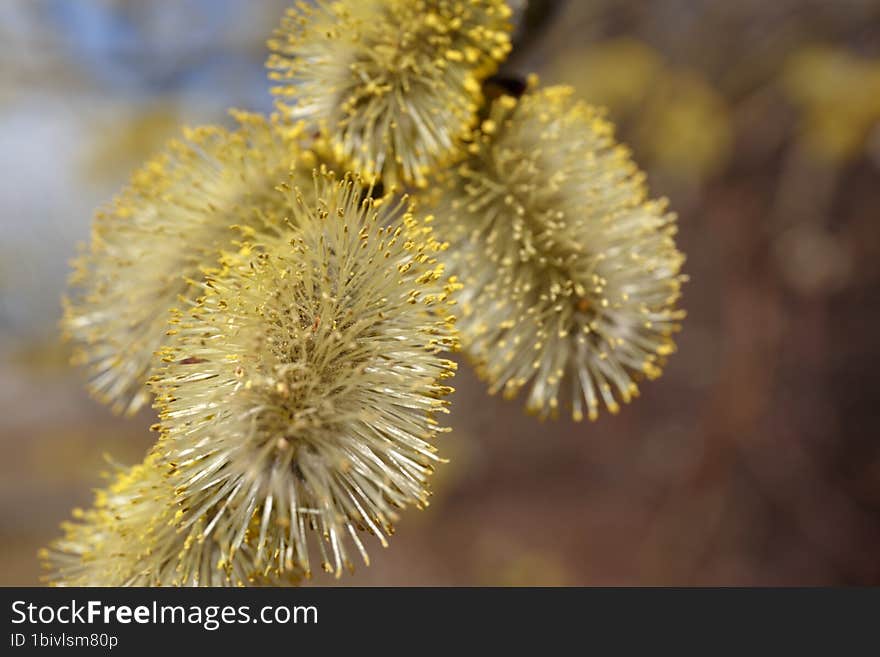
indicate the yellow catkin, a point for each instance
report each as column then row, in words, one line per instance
column 132, row 536
column 298, row 397
column 207, row 192
column 393, row 84
column 571, row 274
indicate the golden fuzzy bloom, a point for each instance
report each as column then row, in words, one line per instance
column 393, row 83
column 159, row 235
column 131, row 537
column 571, row 275
column 299, row 396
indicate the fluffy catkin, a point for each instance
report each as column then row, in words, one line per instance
column 300, row 395
column 152, row 245
column 132, row 537
column 392, row 84
column 571, row 274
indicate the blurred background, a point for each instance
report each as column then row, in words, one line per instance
column 754, row 460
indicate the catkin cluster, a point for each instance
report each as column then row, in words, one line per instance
column 285, row 293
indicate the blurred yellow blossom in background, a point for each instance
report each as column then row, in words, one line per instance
column 680, row 124
column 616, row 74
column 685, row 129
column 838, row 94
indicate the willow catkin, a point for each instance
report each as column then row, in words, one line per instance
column 392, row 83
column 301, row 393
column 151, row 246
column 132, row 536
column 571, row 274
